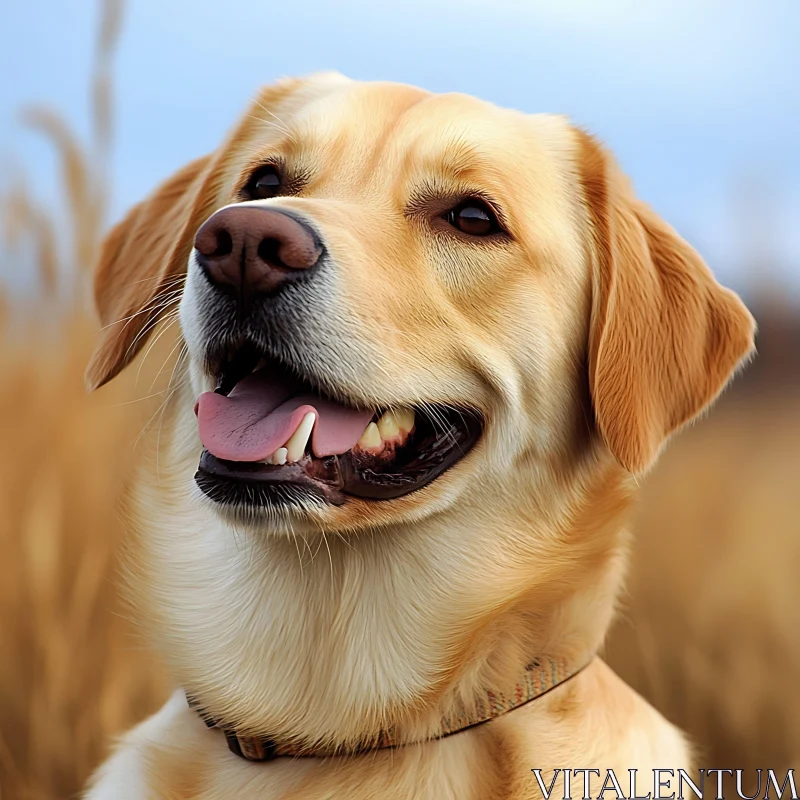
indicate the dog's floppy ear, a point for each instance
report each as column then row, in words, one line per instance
column 665, row 337
column 144, row 258
column 141, row 264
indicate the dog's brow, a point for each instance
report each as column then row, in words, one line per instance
column 459, row 168
column 459, row 158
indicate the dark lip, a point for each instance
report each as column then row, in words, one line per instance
column 244, row 484
column 432, row 450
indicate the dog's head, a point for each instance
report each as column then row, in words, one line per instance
column 393, row 299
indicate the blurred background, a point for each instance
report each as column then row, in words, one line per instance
column 100, row 101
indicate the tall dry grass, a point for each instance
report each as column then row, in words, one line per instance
column 709, row 624
column 709, row 629
column 72, row 671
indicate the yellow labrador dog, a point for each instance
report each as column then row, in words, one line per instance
column 430, row 345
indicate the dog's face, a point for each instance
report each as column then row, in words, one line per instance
column 395, row 299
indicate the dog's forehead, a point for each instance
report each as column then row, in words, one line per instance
column 358, row 123
column 363, row 109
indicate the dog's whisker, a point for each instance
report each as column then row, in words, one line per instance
column 279, row 123
column 169, row 392
column 166, row 324
column 152, row 307
column 330, row 557
column 179, row 344
column 153, row 278
column 150, row 420
column 178, row 364
column 143, row 334
column 167, row 310
column 271, row 124
column 140, row 399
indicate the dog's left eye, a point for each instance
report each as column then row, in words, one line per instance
column 266, row 182
column 474, row 217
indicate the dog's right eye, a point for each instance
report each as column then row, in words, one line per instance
column 266, row 182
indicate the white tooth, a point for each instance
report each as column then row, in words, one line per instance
column 296, row 445
column 405, row 419
column 279, row 456
column 268, row 459
column 371, row 438
column 388, row 427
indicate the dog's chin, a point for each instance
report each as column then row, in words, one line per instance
column 422, row 444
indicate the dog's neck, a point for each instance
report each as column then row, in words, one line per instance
column 331, row 639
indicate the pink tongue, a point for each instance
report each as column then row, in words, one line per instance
column 262, row 412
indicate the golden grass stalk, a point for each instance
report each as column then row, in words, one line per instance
column 22, row 214
column 79, row 182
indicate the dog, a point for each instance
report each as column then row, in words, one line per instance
column 431, row 345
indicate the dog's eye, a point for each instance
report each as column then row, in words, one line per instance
column 266, row 182
column 474, row 218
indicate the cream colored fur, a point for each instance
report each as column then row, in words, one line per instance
column 585, row 340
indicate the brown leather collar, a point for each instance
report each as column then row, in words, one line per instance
column 540, row 677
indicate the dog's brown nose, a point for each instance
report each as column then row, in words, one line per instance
column 248, row 250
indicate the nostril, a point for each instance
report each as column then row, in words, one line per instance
column 269, row 252
column 214, row 239
column 292, row 252
column 224, row 245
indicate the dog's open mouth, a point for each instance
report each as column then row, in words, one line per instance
column 272, row 438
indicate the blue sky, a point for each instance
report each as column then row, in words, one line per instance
column 700, row 99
